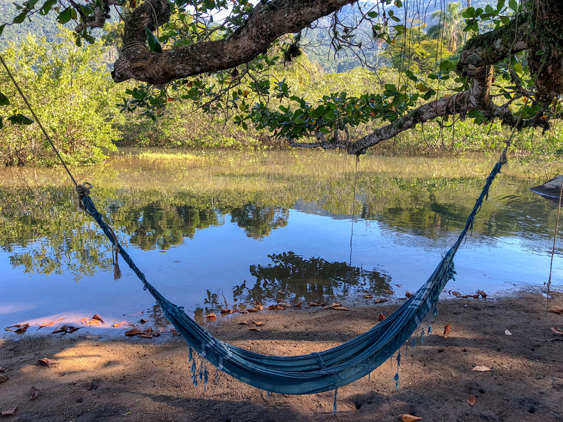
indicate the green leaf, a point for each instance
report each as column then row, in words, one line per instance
column 513, row 4
column 21, row 17
column 64, row 16
column 2, row 28
column 47, row 7
column 373, row 14
column 20, row 119
column 154, row 45
column 390, row 87
column 4, row 100
column 469, row 12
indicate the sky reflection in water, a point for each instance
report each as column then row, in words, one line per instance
column 232, row 229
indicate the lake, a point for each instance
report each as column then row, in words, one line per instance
column 224, row 229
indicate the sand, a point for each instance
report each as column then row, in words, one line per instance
column 133, row 379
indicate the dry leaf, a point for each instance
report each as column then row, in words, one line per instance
column 254, row 329
column 281, row 293
column 15, row 326
column 46, row 324
column 22, row 329
column 556, row 311
column 557, row 330
column 410, row 418
column 389, row 292
column 46, row 362
column 85, row 321
column 94, row 322
column 481, row 369
column 145, row 335
column 340, row 308
column 482, row 293
column 2, row 369
column 314, row 304
column 258, row 307
column 211, row 316
column 252, row 310
column 122, row 323
column 471, row 400
column 143, row 321
column 381, row 317
column 456, row 294
column 379, row 300
column 66, row 329
column 298, row 305
column 408, row 294
column 447, row 329
column 174, row 332
column 226, row 311
column 98, row 318
column 4, row 378
column 508, row 333
column 368, row 296
column 33, row 393
column 243, row 323
column 258, row 323
column 132, row 333
column 10, row 412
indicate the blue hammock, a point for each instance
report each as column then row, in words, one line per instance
column 315, row 372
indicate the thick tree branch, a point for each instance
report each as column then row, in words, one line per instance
column 266, row 23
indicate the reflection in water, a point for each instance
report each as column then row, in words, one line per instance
column 294, row 279
column 232, row 199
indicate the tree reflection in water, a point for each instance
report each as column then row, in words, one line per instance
column 300, row 279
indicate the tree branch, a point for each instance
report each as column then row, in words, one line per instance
column 266, row 23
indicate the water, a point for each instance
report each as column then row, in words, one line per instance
column 220, row 230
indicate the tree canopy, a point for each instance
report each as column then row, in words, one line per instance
column 220, row 54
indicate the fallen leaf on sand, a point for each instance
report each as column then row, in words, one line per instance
column 85, row 321
column 66, row 329
column 226, row 311
column 557, row 330
column 258, row 307
column 174, row 332
column 45, row 362
column 211, row 316
column 146, row 335
column 22, row 329
column 379, row 300
column 298, row 305
column 314, row 304
column 456, row 294
column 3, row 378
column 258, row 323
column 471, row 400
column 121, row 324
column 2, row 369
column 340, row 308
column 10, row 412
column 243, row 323
column 481, row 369
column 277, row 307
column 280, row 292
column 482, row 293
column 254, row 329
column 556, row 311
column 132, row 333
column 33, row 393
column 252, row 310
column 143, row 321
column 508, row 333
column 368, row 296
column 410, row 418
column 15, row 326
column 389, row 292
column 381, row 317
column 46, row 324
column 408, row 294
column 98, row 318
column 447, row 329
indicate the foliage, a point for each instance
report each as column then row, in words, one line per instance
column 72, row 96
column 450, row 26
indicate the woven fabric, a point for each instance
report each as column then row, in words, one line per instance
column 316, row 372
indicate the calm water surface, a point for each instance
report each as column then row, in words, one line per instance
column 225, row 229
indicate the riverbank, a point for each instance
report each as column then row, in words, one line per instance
column 92, row 379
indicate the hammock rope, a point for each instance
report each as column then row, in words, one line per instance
column 305, row 374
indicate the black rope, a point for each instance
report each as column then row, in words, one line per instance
column 37, row 120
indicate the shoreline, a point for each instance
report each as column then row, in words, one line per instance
column 118, row 379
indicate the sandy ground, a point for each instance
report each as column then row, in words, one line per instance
column 135, row 379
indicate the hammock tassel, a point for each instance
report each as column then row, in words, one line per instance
column 334, row 406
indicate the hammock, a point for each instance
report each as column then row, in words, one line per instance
column 315, row 372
